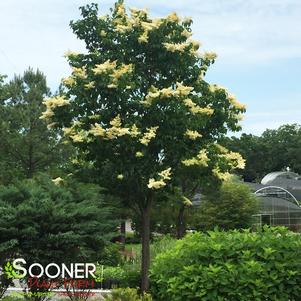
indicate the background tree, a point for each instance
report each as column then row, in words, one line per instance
column 2, row 77
column 254, row 151
column 283, row 147
column 274, row 150
column 26, row 147
column 137, row 108
column 169, row 216
column 230, row 207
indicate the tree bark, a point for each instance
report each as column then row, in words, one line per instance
column 30, row 167
column 181, row 225
column 145, row 239
column 122, row 234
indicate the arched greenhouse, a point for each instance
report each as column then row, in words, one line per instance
column 279, row 194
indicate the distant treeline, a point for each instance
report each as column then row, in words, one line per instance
column 274, row 150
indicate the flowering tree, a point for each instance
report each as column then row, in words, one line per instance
column 137, row 108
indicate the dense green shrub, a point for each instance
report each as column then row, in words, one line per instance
column 127, row 294
column 61, row 223
column 47, row 223
column 127, row 275
column 230, row 266
column 132, row 275
column 10, row 298
column 160, row 245
column 111, row 255
column 113, row 277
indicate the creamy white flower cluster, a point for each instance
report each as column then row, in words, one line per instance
column 114, row 131
column 201, row 159
column 231, row 98
column 181, row 92
column 196, row 109
column 52, row 103
column 139, row 19
column 154, row 93
column 115, row 72
column 163, row 176
column 232, row 159
column 183, row 47
column 109, row 68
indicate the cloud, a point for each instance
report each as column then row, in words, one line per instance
column 256, row 121
column 241, row 31
column 250, row 37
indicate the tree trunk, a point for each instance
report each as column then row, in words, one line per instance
column 181, row 225
column 122, row 235
column 30, row 168
column 145, row 238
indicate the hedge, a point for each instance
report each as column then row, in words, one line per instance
column 230, row 266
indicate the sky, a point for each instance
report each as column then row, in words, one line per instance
column 258, row 43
